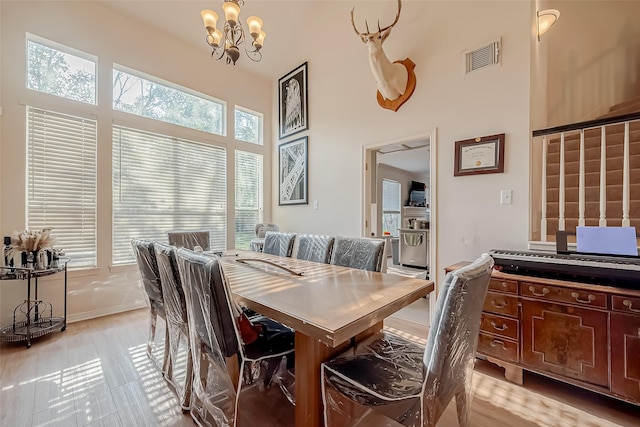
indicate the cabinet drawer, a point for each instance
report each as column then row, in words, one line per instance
column 501, row 304
column 509, row 286
column 499, row 325
column 626, row 304
column 569, row 295
column 499, row 348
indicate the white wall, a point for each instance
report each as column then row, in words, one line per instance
column 344, row 117
column 99, row 31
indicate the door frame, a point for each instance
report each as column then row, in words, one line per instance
column 369, row 176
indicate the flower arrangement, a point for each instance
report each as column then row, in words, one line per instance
column 32, row 240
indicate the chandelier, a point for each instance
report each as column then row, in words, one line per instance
column 228, row 41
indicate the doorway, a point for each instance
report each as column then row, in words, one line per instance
column 404, row 161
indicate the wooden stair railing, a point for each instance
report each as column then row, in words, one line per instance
column 572, row 194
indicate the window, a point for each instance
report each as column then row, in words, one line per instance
column 161, row 183
column 61, row 179
column 59, row 72
column 249, row 197
column 248, row 126
column 166, row 102
column 390, row 207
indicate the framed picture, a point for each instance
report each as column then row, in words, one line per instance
column 292, row 172
column 293, row 103
column 479, row 155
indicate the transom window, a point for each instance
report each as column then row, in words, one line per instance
column 60, row 70
column 150, row 97
column 248, row 126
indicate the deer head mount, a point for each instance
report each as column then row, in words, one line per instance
column 395, row 81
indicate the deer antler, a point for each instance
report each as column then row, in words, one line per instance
column 379, row 29
column 394, row 22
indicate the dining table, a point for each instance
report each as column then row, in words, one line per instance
column 330, row 308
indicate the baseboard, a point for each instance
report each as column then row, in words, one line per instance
column 103, row 312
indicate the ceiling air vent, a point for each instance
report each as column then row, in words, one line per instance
column 482, row 58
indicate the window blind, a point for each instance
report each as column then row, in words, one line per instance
column 390, row 206
column 162, row 184
column 249, row 197
column 61, row 179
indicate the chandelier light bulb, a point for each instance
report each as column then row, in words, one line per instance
column 231, row 12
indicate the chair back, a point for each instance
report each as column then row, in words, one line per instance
column 315, row 248
column 451, row 345
column 172, row 292
column 358, row 252
column 148, row 266
column 208, row 307
column 261, row 229
column 278, row 243
column 189, row 239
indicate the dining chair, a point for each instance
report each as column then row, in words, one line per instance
column 190, row 239
column 358, row 252
column 315, row 248
column 389, row 380
column 256, row 244
column 150, row 275
column 251, row 396
column 179, row 371
column 278, row 243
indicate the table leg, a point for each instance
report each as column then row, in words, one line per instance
column 310, row 353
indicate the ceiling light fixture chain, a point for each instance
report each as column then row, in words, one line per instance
column 227, row 43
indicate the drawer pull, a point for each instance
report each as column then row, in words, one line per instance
column 503, row 304
column 503, row 327
column 545, row 291
column 589, row 300
column 628, row 303
column 496, row 343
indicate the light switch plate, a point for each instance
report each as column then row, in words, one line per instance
column 315, row 204
column 505, row 197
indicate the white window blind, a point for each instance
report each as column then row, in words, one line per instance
column 249, row 197
column 62, row 181
column 390, row 206
column 162, row 184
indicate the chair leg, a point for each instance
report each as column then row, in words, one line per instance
column 463, row 405
column 167, row 363
column 153, row 317
column 188, row 382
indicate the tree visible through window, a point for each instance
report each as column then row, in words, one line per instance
column 248, row 126
column 59, row 73
column 149, row 98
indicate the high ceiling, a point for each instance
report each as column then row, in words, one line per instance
column 181, row 20
column 287, row 24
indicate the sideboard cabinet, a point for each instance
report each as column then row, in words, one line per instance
column 580, row 333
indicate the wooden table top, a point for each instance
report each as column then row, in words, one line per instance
column 328, row 302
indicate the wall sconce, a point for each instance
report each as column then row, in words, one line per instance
column 546, row 18
column 227, row 42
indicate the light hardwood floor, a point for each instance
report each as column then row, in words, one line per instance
column 96, row 373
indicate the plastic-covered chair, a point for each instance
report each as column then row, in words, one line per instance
column 388, row 380
column 257, row 242
column 146, row 259
column 314, row 248
column 261, row 229
column 179, row 371
column 278, row 243
column 216, row 342
column 189, row 239
column 358, row 252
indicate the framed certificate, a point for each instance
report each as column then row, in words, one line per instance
column 479, row 155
